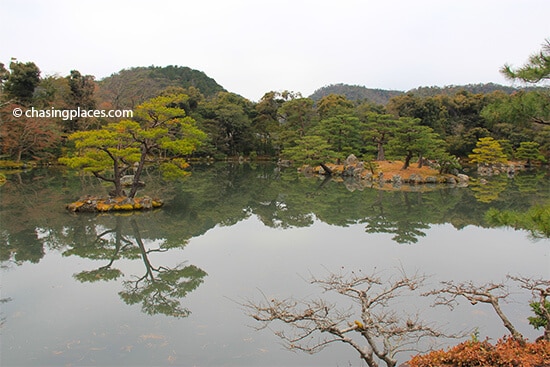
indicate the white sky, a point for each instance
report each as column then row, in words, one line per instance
column 251, row 47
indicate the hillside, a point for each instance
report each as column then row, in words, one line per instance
column 356, row 93
column 130, row 87
column 382, row 96
column 481, row 88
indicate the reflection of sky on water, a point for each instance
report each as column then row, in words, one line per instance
column 53, row 319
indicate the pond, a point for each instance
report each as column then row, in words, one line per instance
column 167, row 287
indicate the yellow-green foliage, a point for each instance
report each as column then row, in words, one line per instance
column 174, row 169
column 488, row 151
column 158, row 126
column 10, row 164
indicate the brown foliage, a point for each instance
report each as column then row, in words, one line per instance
column 26, row 135
column 507, row 352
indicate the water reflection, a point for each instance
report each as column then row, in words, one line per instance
column 249, row 227
column 160, row 290
column 33, row 217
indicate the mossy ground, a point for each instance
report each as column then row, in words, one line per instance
column 121, row 203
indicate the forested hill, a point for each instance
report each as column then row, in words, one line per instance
column 356, row 93
column 130, row 87
column 382, row 96
column 482, row 88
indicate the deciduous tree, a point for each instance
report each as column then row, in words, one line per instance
column 26, row 136
column 375, row 327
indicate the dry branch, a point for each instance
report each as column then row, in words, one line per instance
column 376, row 328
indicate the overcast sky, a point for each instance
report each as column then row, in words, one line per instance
column 251, row 46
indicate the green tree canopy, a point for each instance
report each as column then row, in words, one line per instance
column 530, row 151
column 226, row 119
column 311, row 149
column 378, row 129
column 21, row 82
column 159, row 127
column 342, row 132
column 412, row 139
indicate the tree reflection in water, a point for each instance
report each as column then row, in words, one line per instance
column 160, row 289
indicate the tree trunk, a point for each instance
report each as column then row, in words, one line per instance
column 407, row 161
column 116, row 179
column 381, row 154
column 328, row 171
column 142, row 250
column 139, row 170
column 507, row 324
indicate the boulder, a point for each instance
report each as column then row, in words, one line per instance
column 128, row 180
column 284, row 163
column 463, row 178
column 351, row 160
column 357, row 171
column 349, row 171
column 415, row 179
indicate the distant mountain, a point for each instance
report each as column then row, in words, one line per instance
column 382, row 96
column 482, row 88
column 356, row 93
column 130, row 87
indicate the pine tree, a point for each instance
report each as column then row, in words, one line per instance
column 488, row 151
column 530, row 151
column 158, row 127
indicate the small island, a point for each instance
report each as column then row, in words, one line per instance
column 120, row 203
column 377, row 174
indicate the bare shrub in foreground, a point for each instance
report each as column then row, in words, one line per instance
column 376, row 325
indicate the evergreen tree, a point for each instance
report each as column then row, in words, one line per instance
column 21, row 82
column 412, row 139
column 488, row 151
column 530, row 151
column 158, row 127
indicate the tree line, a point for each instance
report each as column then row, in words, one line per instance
column 282, row 124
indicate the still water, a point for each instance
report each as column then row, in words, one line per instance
column 166, row 287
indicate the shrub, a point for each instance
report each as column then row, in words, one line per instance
column 507, row 352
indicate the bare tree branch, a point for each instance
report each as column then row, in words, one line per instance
column 540, row 289
column 490, row 293
column 377, row 329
